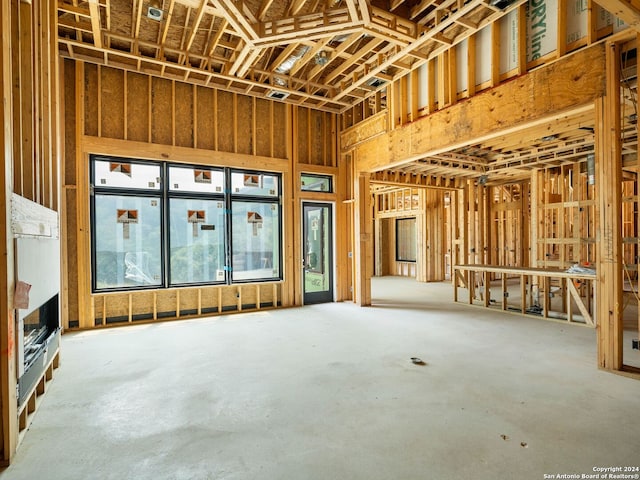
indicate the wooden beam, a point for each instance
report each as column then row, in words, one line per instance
column 156, row 67
column 73, row 10
column 353, row 11
column 335, row 54
column 236, row 19
column 578, row 79
column 262, row 12
column 355, row 57
column 217, row 37
column 294, row 7
column 8, row 400
column 364, row 241
column 311, row 53
column 624, row 10
column 94, row 10
column 196, row 24
column 608, row 180
column 305, row 27
column 137, row 16
column 361, row 76
column 167, row 22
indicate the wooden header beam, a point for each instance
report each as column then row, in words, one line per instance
column 578, row 79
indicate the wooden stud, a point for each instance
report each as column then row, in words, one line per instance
column 364, row 242
column 608, row 180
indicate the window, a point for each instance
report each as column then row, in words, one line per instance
column 127, row 233
column 156, row 225
column 255, row 232
column 316, row 183
column 196, row 241
column 406, row 240
column 255, row 240
column 196, row 225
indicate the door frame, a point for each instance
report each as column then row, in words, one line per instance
column 331, row 246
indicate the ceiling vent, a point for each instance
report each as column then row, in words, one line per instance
column 277, row 94
column 154, row 13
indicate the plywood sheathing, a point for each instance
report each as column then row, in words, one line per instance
column 577, row 80
column 183, row 123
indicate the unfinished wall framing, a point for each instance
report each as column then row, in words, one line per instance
column 30, row 149
column 428, row 207
column 566, row 217
column 522, row 40
column 126, row 114
column 534, row 208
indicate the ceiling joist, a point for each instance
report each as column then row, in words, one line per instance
column 344, row 48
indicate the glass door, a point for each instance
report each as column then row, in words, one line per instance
column 317, row 262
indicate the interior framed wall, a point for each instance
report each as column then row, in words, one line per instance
column 118, row 113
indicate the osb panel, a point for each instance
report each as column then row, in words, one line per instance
column 118, row 305
column 209, row 298
column 112, row 98
column 245, row 124
column 266, row 293
column 91, row 99
column 70, row 259
column 142, row 303
column 225, row 121
column 184, row 115
column 263, row 127
column 358, row 115
column 189, row 300
column 370, row 127
column 317, row 137
column 249, row 296
column 303, row 135
column 229, row 296
column 206, row 118
column 330, row 134
column 166, row 301
column 69, row 67
column 161, row 111
column 137, row 107
column 280, row 127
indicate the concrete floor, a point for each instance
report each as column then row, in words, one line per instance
column 329, row 392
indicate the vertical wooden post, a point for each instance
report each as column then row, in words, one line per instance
column 82, row 203
column 533, row 228
column 637, row 216
column 608, row 185
column 343, row 244
column 364, row 241
column 525, row 224
column 8, row 400
column 377, row 231
column 423, row 260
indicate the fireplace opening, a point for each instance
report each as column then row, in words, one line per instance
column 38, row 325
column 41, row 337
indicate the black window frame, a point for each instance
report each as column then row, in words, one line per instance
column 192, row 195
column 124, row 192
column 266, row 199
column 164, row 195
column 318, row 176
